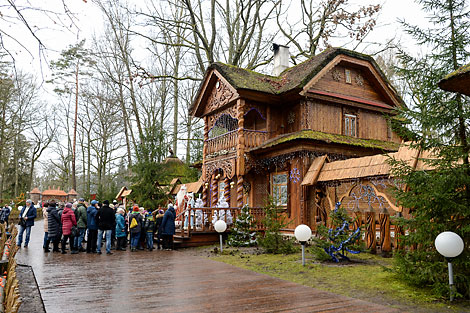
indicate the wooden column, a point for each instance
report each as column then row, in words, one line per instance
column 227, row 189
column 357, row 218
column 399, row 232
column 240, row 191
column 385, row 241
column 371, row 242
column 215, row 188
column 204, row 148
column 205, row 189
column 240, row 151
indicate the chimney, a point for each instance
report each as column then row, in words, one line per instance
column 281, row 59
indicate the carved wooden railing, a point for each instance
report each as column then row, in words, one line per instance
column 202, row 219
column 254, row 138
column 227, row 141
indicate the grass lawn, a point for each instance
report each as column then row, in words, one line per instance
column 364, row 278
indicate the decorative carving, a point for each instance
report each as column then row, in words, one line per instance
column 220, row 95
column 294, row 175
column 385, row 241
column 253, row 106
column 336, row 75
column 371, row 242
column 359, row 80
column 240, row 191
column 232, row 111
column 227, row 165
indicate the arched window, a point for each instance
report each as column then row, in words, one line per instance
column 224, row 124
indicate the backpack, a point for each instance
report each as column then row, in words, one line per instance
column 133, row 223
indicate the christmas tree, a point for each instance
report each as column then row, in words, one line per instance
column 333, row 243
column 242, row 234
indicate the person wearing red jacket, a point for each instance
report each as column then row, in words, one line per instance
column 68, row 220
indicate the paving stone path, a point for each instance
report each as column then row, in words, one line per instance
column 168, row 281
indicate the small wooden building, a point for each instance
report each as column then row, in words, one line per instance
column 457, row 81
column 264, row 133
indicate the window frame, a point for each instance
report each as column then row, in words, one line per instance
column 279, row 187
column 350, row 124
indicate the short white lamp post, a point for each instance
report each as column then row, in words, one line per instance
column 302, row 234
column 220, row 226
column 450, row 245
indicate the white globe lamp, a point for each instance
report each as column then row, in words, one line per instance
column 220, row 226
column 303, row 233
column 449, row 245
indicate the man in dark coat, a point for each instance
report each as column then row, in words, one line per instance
column 27, row 216
column 92, row 227
column 167, row 227
column 53, row 227
column 4, row 214
column 105, row 219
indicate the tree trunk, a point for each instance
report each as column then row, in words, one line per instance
column 74, row 147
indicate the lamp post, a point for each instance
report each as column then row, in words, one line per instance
column 450, row 245
column 220, row 226
column 302, row 234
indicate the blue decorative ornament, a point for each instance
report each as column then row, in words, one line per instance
column 294, row 175
column 336, row 251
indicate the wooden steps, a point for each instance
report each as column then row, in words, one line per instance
column 196, row 239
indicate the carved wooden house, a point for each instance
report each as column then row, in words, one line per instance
column 270, row 135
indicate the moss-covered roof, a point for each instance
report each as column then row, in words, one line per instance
column 457, row 81
column 292, row 78
column 330, row 138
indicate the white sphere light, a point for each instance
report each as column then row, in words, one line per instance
column 303, row 233
column 449, row 244
column 220, row 226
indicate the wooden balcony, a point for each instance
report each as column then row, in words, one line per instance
column 228, row 142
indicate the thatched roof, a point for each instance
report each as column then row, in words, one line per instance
column 457, row 81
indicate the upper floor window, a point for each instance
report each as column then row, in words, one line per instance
column 221, row 189
column 350, row 125
column 254, row 120
column 279, row 188
column 224, row 124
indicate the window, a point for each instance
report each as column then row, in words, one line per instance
column 221, row 189
column 350, row 125
column 279, row 188
column 347, row 75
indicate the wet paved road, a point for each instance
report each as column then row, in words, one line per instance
column 168, row 281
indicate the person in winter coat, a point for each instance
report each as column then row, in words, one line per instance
column 105, row 218
column 46, row 230
column 135, row 227
column 81, row 216
column 120, row 229
column 68, row 220
column 53, row 227
column 167, row 227
column 4, row 214
column 27, row 215
column 149, row 226
column 158, row 217
column 92, row 227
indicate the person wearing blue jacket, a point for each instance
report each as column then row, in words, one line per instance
column 120, row 230
column 167, row 227
column 92, row 227
column 27, row 216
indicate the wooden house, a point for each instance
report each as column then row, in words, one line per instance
column 271, row 135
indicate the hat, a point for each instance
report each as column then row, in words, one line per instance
column 135, row 208
column 115, row 201
column 93, row 202
column 69, row 205
column 81, row 199
column 160, row 211
column 106, row 202
column 111, row 206
column 170, row 205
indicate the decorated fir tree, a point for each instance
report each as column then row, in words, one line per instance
column 242, row 234
column 333, row 243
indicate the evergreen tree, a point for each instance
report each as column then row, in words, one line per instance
column 439, row 199
column 333, row 243
column 242, row 234
column 275, row 220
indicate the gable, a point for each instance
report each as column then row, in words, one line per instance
column 355, row 81
column 214, row 94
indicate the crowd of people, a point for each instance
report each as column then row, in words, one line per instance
column 97, row 224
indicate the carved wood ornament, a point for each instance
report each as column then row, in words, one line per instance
column 220, row 95
column 227, row 165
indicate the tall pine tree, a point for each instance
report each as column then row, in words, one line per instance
column 439, row 199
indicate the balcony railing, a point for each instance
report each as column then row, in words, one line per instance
column 228, row 141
